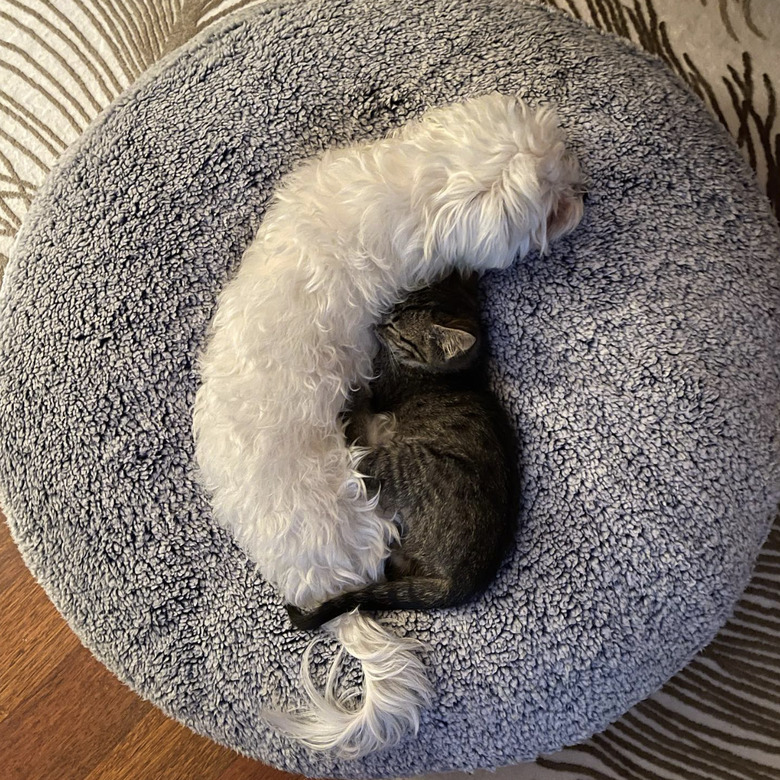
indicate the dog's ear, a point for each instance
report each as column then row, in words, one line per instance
column 486, row 224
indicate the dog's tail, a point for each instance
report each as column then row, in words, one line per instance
column 357, row 722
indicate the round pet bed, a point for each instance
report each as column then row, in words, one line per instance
column 639, row 362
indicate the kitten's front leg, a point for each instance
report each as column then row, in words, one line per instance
column 370, row 429
column 380, row 429
column 359, row 433
column 358, row 419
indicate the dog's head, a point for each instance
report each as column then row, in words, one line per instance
column 496, row 183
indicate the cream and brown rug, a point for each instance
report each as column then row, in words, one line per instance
column 63, row 62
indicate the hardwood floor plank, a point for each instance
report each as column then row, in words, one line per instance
column 68, row 723
column 35, row 640
column 161, row 748
column 245, row 769
column 10, row 570
column 63, row 716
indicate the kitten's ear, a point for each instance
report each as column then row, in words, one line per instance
column 453, row 341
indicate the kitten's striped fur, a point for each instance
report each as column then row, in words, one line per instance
column 440, row 450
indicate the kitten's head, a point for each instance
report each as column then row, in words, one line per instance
column 436, row 328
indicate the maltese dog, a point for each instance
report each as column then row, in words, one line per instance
column 470, row 186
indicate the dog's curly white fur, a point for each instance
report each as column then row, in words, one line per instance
column 472, row 186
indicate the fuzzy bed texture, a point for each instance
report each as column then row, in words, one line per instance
column 639, row 362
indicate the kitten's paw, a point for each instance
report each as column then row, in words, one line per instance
column 380, row 429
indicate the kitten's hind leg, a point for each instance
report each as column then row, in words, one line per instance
column 399, row 565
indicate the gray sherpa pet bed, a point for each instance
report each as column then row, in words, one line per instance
column 639, row 362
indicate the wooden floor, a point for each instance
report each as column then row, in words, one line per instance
column 63, row 716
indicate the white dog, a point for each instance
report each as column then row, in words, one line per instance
column 472, row 186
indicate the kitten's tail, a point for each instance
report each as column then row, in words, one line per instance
column 356, row 722
column 411, row 592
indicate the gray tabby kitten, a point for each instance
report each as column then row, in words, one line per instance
column 441, row 451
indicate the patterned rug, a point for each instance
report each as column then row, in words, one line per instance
column 62, row 63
